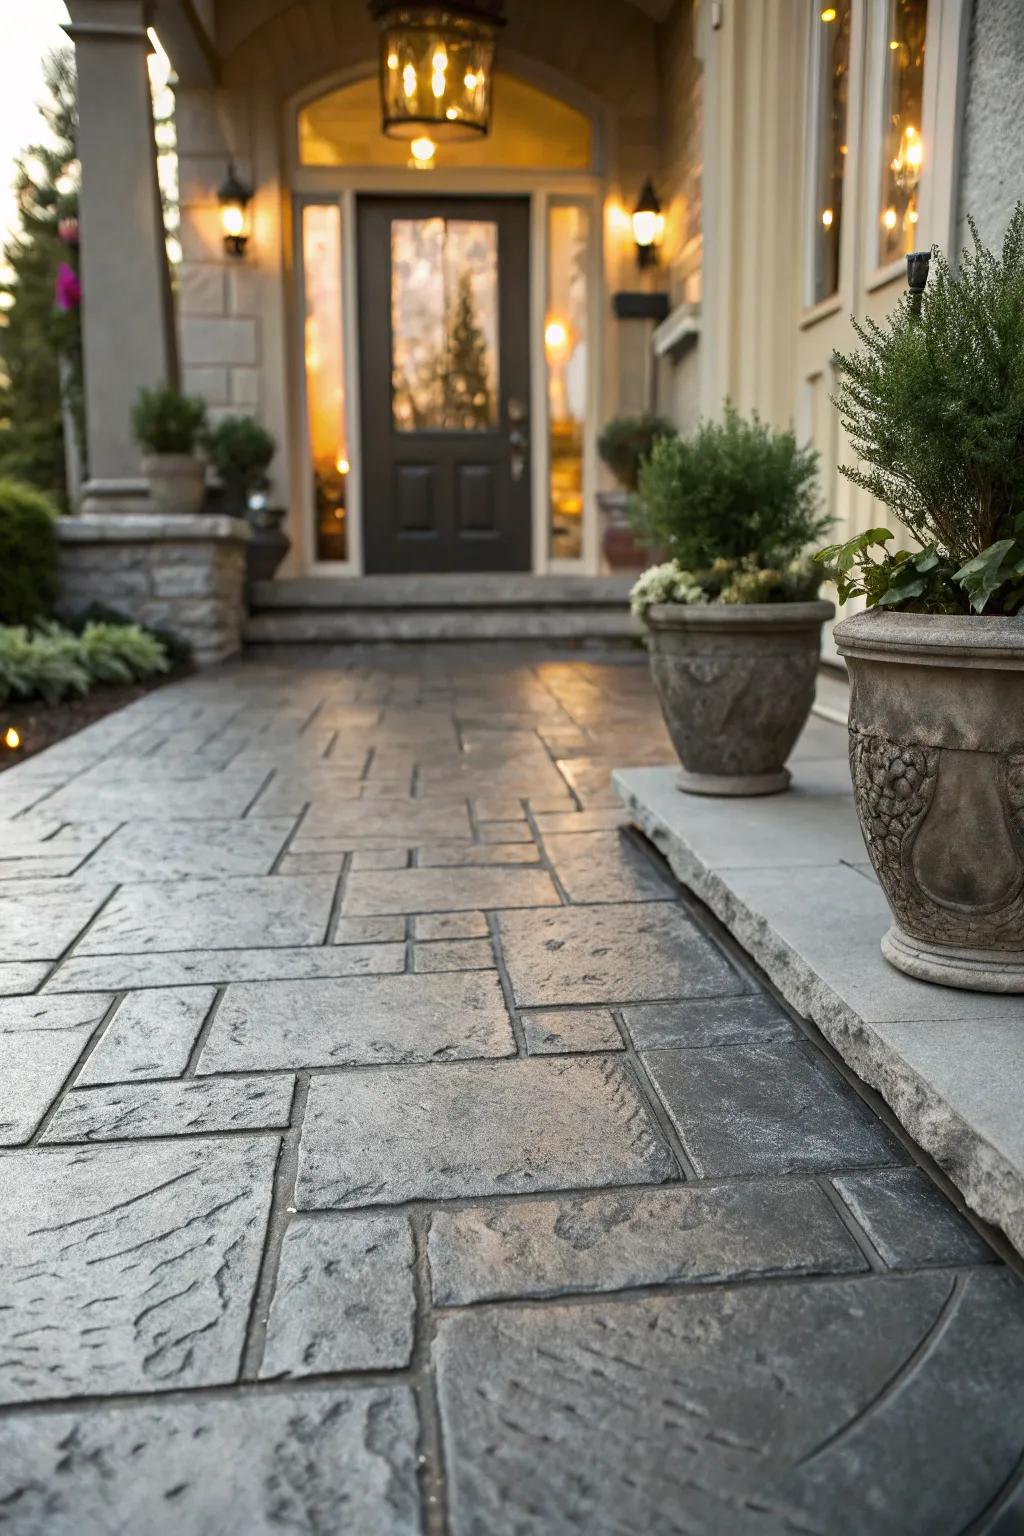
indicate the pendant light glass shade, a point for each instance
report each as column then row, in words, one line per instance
column 436, row 67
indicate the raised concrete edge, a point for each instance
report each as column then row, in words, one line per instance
column 150, row 528
column 990, row 1179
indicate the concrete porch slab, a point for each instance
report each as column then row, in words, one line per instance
column 789, row 878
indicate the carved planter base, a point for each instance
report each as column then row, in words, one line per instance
column 937, row 759
column 736, row 684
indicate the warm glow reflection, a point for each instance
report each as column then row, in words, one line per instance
column 829, row 13
column 826, row 217
column 12, row 738
column 556, row 339
column 423, row 150
column 889, row 218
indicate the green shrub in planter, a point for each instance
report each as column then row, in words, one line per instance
column 28, row 553
column 735, row 506
column 240, row 451
column 166, row 421
column 626, row 443
column 934, row 406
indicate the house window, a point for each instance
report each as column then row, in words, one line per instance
column 565, row 356
column 902, row 151
column 830, row 84
column 325, row 377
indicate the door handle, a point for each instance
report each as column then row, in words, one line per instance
column 517, row 453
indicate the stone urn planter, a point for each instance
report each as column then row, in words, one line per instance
column 268, row 544
column 736, row 684
column 618, row 544
column 177, row 482
column 937, row 759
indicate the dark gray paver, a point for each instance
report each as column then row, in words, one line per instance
column 910, row 1222
column 379, row 1138
column 766, row 1109
column 212, row 914
column 515, row 849
column 186, row 967
column 444, row 890
column 41, row 1038
column 711, row 1021
column 150, row 1035
column 369, row 930
column 836, row 1407
column 350, row 824
column 169, row 1108
column 570, row 1029
column 358, row 1020
column 345, row 1297
column 204, row 797
column 609, row 1242
column 592, row 865
column 129, row 1269
column 616, row 953
column 341, row 1460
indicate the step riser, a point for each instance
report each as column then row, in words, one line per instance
column 269, row 628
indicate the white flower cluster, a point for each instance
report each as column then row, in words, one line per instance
column 667, row 583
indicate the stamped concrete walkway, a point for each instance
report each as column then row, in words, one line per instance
column 389, row 1151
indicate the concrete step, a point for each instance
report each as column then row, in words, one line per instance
column 426, row 608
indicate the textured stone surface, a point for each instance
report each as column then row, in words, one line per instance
column 345, row 1298
column 448, row 925
column 359, row 1020
column 41, row 1038
column 715, row 1021
column 41, row 925
column 765, row 1109
column 415, row 1133
column 637, row 1237
column 391, row 824
column 150, row 1035
column 592, row 865
column 280, row 909
column 453, row 955
column 441, row 890
column 126, row 1110
column 185, row 967
column 310, row 1462
column 910, row 1222
column 129, row 1269
column 176, row 850
column 886, row 1405
column 570, row 1029
column 617, row 953
column 947, row 1062
column 18, row 977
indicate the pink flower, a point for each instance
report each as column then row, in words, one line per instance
column 67, row 231
column 67, row 290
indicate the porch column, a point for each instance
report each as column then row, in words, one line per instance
column 127, row 318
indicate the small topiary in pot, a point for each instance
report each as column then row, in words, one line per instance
column 624, row 445
column 933, row 402
column 168, row 427
column 239, row 451
column 733, row 618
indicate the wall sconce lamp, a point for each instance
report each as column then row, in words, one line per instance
column 234, row 198
column 648, row 226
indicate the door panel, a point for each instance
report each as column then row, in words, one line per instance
column 445, row 380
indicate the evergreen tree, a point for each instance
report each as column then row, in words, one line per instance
column 40, row 325
column 466, row 382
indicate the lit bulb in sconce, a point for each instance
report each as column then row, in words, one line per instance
column 827, row 217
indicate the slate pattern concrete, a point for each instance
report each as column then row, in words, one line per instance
column 385, row 1147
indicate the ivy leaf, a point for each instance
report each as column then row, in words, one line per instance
column 900, row 592
column 981, row 576
column 845, row 555
column 926, row 561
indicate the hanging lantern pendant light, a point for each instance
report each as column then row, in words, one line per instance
column 437, row 66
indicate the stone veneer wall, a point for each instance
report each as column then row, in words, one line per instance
column 992, row 147
column 183, row 574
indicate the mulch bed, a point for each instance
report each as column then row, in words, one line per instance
column 40, row 725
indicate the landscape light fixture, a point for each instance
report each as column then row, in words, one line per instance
column 437, row 67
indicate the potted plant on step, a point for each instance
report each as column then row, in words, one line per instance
column 733, row 618
column 240, row 451
column 624, row 445
column 934, row 406
column 167, row 426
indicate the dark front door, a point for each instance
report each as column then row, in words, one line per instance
column 444, row 300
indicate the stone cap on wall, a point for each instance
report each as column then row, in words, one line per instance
column 151, row 528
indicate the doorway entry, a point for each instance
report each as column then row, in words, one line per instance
column 444, row 313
